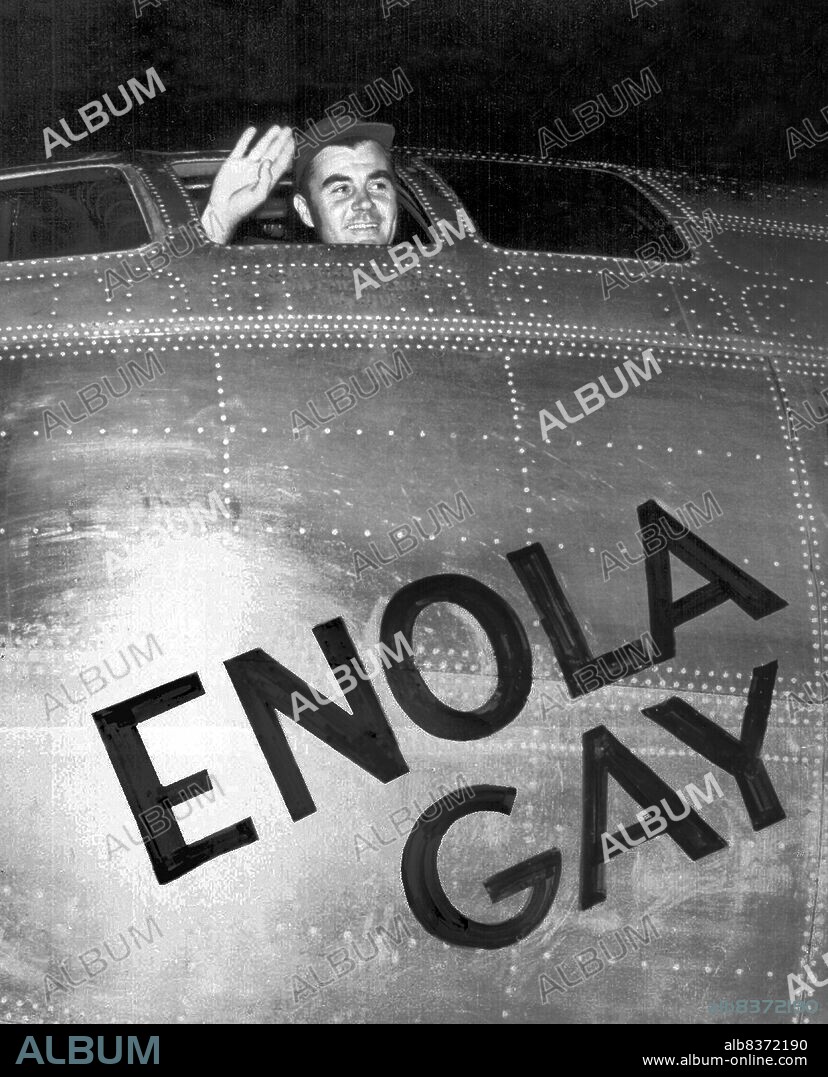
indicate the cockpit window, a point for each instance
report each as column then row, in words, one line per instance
column 557, row 209
column 85, row 211
column 276, row 220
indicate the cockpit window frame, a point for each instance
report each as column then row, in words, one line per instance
column 43, row 177
column 431, row 164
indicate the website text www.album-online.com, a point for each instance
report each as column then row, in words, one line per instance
column 738, row 1058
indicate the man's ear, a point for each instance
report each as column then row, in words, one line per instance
column 303, row 209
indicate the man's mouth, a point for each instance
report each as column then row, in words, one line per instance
column 363, row 226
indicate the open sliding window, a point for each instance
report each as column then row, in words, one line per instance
column 276, row 221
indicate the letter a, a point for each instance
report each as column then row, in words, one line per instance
column 726, row 582
column 609, row 853
column 610, row 280
column 792, row 993
column 50, row 421
column 605, row 756
column 549, row 138
column 801, row 421
column 359, row 287
column 609, row 562
column 801, row 140
column 29, row 1045
column 548, row 422
column 56, row 140
column 298, row 426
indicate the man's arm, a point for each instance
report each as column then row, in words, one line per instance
column 243, row 183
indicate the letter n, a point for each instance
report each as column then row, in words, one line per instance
column 265, row 686
column 605, row 755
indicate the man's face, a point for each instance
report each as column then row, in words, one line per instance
column 351, row 195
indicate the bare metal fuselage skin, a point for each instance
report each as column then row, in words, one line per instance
column 98, row 552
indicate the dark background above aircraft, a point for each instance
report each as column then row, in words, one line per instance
column 486, row 75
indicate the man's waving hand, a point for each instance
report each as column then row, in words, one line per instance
column 246, row 179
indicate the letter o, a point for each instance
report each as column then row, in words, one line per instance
column 508, row 640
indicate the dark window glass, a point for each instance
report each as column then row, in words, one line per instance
column 544, row 208
column 80, row 212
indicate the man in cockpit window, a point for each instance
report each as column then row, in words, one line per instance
column 344, row 184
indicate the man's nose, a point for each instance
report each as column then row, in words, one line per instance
column 363, row 200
